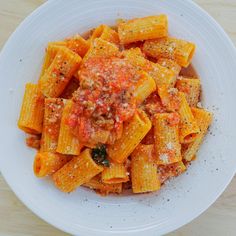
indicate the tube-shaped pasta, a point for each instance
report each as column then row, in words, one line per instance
column 99, row 135
column 160, row 74
column 76, row 172
column 203, row 119
column 169, row 98
column 33, row 141
column 176, row 49
column 170, row 64
column 31, row 115
column 46, row 163
column 132, row 53
column 144, row 87
column 110, row 35
column 106, row 33
column 172, row 170
column 67, row 142
column 188, row 125
column 51, row 52
column 97, row 32
column 59, row 73
column 51, row 124
column 115, row 173
column 166, row 138
column 104, row 189
column 144, row 170
column 133, row 132
column 191, row 88
column 143, row 28
column 77, row 44
column 100, row 47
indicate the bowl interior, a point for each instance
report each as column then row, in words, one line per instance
column 83, row 212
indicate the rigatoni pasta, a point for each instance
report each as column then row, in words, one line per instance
column 166, row 138
column 116, row 109
column 47, row 163
column 110, row 35
column 32, row 109
column 161, row 75
column 191, row 88
column 115, row 173
column 67, row 142
column 77, row 44
column 51, row 124
column 144, row 170
column 144, row 87
column 203, row 119
column 57, row 76
column 106, row 33
column 102, row 188
column 134, row 131
column 172, row 170
column 50, row 54
column 101, row 48
column 143, row 28
column 169, row 98
column 172, row 48
column 188, row 125
column 76, row 172
column 170, row 64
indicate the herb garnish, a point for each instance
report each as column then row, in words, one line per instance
column 99, row 155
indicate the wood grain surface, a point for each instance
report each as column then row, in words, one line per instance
column 17, row 220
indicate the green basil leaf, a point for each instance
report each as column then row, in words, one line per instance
column 99, row 155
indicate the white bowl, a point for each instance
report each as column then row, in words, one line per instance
column 83, row 212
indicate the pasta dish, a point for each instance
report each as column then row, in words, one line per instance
column 115, row 110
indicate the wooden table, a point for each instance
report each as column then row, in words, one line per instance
column 17, row 220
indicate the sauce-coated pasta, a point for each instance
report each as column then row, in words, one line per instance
column 117, row 109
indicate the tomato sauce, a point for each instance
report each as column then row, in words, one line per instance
column 104, row 100
column 153, row 105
